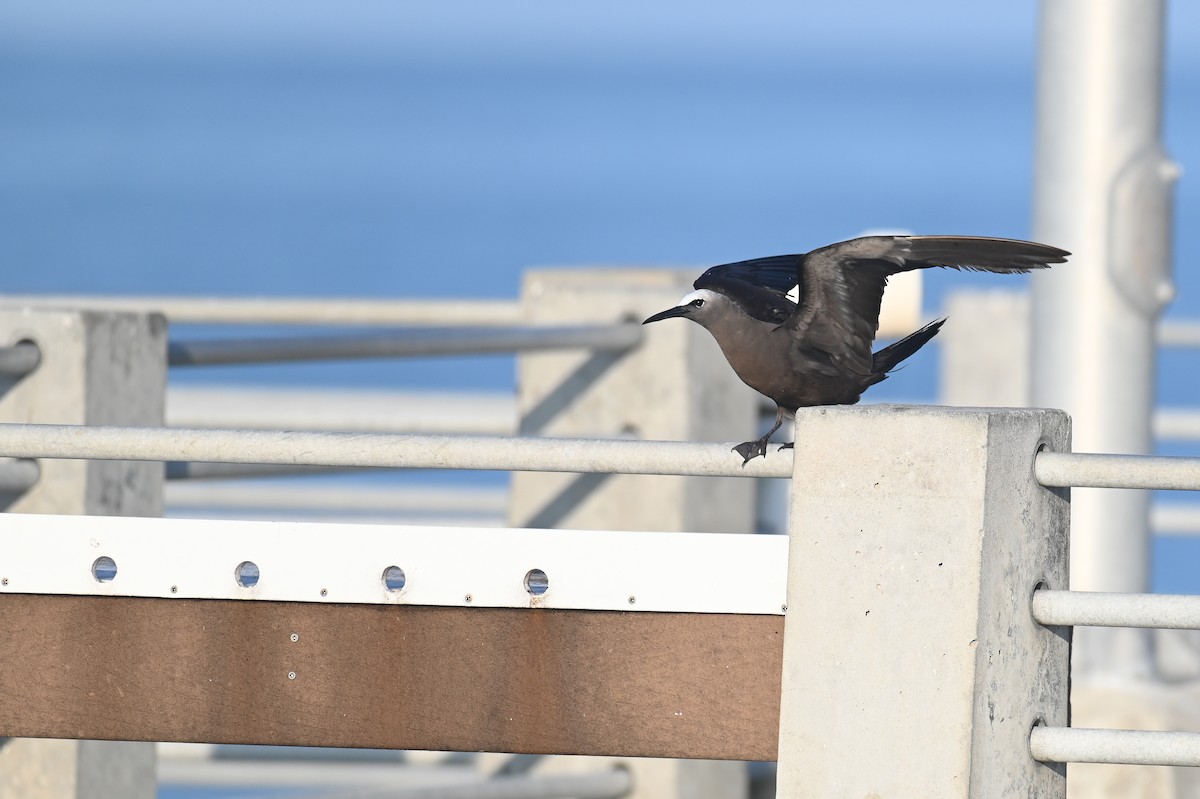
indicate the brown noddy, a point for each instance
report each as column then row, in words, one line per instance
column 817, row 351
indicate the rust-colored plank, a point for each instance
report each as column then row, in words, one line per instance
column 551, row 681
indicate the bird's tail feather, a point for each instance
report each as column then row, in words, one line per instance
column 888, row 358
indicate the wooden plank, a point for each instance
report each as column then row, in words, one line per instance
column 505, row 680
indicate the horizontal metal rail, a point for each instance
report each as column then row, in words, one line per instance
column 603, row 785
column 1179, row 333
column 424, row 342
column 18, row 360
column 1100, row 609
column 1175, row 519
column 1089, row 470
column 198, row 470
column 1129, row 747
column 610, row 785
column 359, row 499
column 478, row 412
column 488, row 453
column 1177, row 424
column 291, row 311
column 18, row 475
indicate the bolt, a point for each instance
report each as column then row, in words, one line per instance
column 295, row 637
column 4, row 581
column 783, row 608
column 468, row 598
column 174, row 589
column 632, row 600
column 324, row 592
column 291, row 675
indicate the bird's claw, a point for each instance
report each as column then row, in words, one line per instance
column 789, row 445
column 749, row 450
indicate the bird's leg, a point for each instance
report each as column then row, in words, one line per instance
column 750, row 450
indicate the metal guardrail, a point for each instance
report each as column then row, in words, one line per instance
column 428, row 341
column 1090, row 470
column 604, row 785
column 290, row 310
column 487, row 453
column 605, row 456
column 1183, row 333
column 1126, row 747
column 1102, row 609
column 475, row 412
column 17, row 475
column 18, row 360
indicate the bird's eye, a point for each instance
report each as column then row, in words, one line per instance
column 696, row 303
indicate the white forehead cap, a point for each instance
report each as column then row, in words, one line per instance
column 699, row 294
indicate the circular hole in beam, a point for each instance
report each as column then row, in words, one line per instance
column 536, row 582
column 394, row 579
column 104, row 569
column 246, row 574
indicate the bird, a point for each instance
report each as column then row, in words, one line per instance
column 817, row 350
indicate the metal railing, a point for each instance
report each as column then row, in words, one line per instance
column 1054, row 469
column 423, row 342
column 1090, row 470
column 487, row 453
column 1102, row 609
column 290, row 311
column 18, row 360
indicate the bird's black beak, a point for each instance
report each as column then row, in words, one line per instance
column 680, row 310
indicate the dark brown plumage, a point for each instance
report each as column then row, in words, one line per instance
column 817, row 351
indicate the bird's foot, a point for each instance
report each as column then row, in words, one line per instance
column 749, row 450
column 789, row 445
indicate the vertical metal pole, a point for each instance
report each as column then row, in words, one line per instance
column 1103, row 191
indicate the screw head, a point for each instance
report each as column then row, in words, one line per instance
column 291, row 675
column 633, row 600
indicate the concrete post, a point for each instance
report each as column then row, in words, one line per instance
column 986, row 350
column 675, row 386
column 96, row 368
column 912, row 666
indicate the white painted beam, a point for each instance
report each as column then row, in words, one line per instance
column 446, row 566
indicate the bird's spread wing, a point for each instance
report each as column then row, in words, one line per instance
column 841, row 285
column 758, row 286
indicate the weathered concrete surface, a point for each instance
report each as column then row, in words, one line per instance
column 96, row 368
column 912, row 666
column 676, row 386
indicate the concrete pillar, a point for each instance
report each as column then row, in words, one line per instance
column 986, row 350
column 912, row 666
column 96, row 368
column 675, row 386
